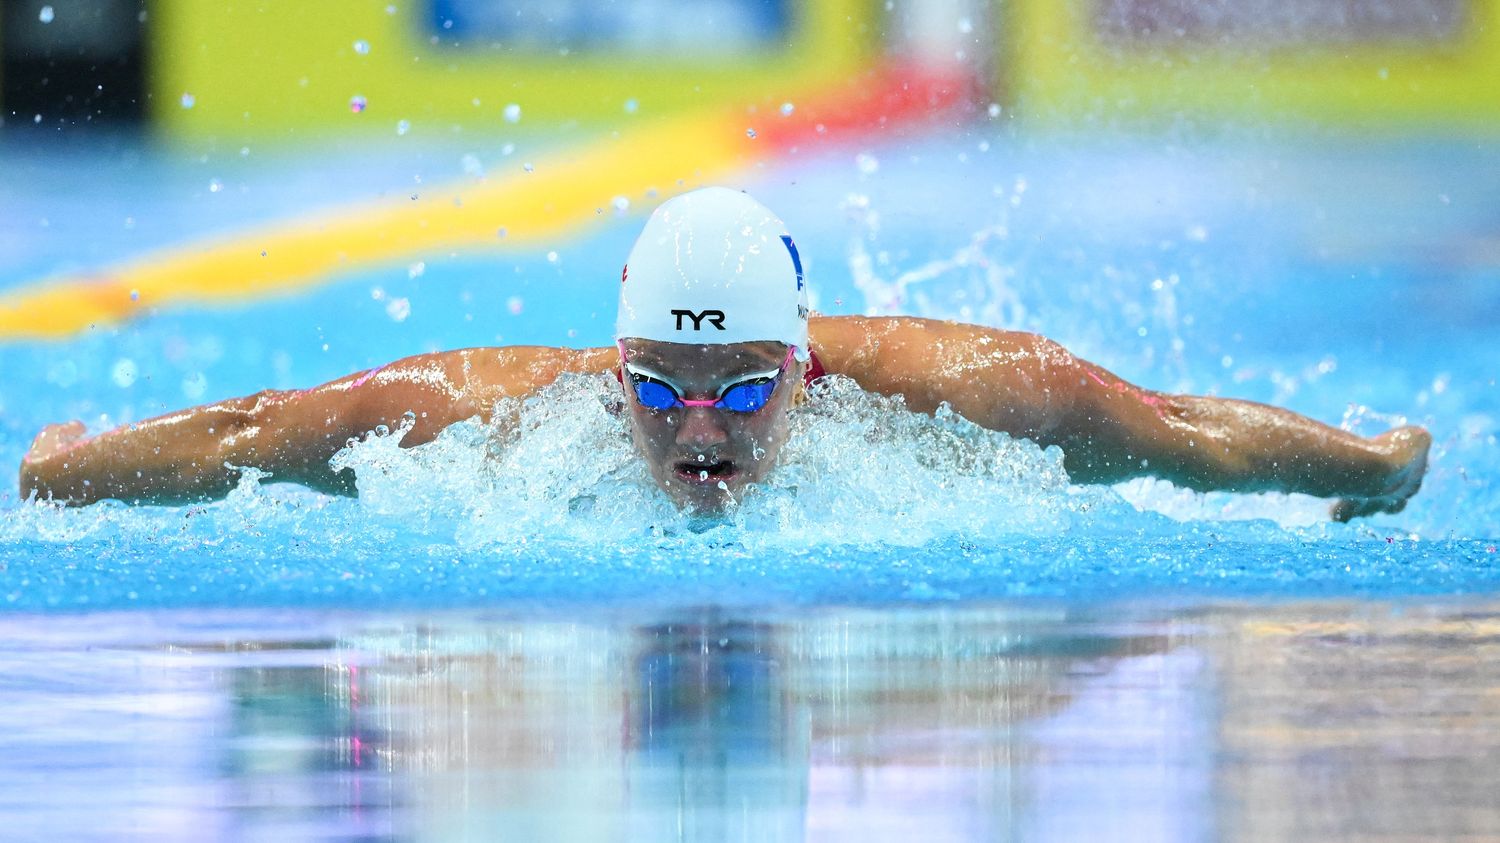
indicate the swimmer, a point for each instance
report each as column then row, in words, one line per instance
column 714, row 348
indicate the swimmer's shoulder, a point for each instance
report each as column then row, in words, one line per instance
column 867, row 348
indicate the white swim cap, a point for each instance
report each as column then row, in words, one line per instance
column 714, row 266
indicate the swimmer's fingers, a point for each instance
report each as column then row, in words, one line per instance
column 1409, row 448
column 54, row 439
column 1347, row 509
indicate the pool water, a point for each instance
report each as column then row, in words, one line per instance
column 915, row 628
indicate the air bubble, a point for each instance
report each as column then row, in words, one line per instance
column 750, row 133
column 403, row 126
column 188, row 100
column 46, row 15
column 787, row 109
column 512, row 113
column 357, row 104
column 362, row 47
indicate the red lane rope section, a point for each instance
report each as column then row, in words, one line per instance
column 886, row 98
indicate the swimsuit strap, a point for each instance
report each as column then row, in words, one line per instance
column 815, row 368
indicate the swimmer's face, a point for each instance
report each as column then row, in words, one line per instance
column 703, row 457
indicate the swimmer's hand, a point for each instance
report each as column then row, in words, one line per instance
column 1407, row 449
column 54, row 439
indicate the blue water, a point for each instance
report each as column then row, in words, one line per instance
column 1356, row 286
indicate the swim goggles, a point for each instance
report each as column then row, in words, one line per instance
column 746, row 395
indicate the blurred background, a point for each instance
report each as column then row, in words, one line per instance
column 230, row 73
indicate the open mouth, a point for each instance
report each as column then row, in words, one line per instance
column 705, row 473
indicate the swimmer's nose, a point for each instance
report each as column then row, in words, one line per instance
column 701, row 426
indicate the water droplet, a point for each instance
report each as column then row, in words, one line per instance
column 787, row 109
column 391, row 9
column 472, row 166
column 500, row 233
column 867, row 163
column 135, row 295
column 703, row 475
column 416, row 270
column 262, row 252
column 46, row 15
column 994, row 109
column 403, row 126
column 507, row 149
column 551, row 257
column 620, row 204
column 214, row 185
column 398, row 309
column 37, row 119
column 512, row 113
column 750, row 133
column 965, row 26
column 194, row 385
column 630, row 106
column 124, row 372
column 528, row 168
column 358, row 103
column 362, row 47
column 244, row 151
column 514, row 305
column 377, row 293
column 188, row 100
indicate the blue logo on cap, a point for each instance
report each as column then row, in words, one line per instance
column 796, row 259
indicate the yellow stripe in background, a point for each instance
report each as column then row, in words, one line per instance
column 561, row 196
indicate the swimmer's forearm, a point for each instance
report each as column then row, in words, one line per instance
column 1216, row 444
column 183, row 457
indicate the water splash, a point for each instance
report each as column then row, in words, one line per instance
column 886, row 475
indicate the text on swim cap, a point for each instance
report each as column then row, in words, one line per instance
column 714, row 317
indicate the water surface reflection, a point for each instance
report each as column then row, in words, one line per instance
column 1251, row 722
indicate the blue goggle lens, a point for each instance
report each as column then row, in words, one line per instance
column 655, row 396
column 748, row 397
column 745, row 397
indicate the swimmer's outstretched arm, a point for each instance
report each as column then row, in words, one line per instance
column 186, row 456
column 1110, row 430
